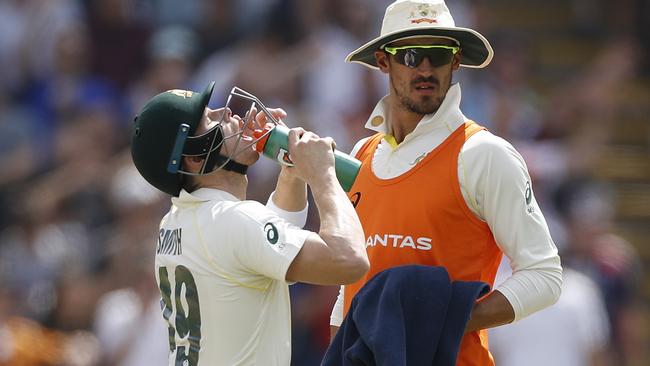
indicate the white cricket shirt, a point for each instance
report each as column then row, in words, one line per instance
column 220, row 266
column 496, row 186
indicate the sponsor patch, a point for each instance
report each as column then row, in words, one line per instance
column 272, row 234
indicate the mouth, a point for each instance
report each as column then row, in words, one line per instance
column 245, row 129
column 246, row 138
column 425, row 87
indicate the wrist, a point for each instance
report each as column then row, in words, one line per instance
column 324, row 181
column 288, row 177
column 491, row 311
column 290, row 184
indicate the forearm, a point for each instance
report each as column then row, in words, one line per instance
column 491, row 311
column 534, row 288
column 340, row 227
column 337, row 254
column 333, row 330
column 290, row 192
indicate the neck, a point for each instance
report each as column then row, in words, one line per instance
column 231, row 182
column 402, row 121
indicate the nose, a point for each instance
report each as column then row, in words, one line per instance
column 215, row 114
column 240, row 121
column 425, row 67
column 220, row 114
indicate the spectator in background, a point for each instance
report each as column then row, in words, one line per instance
column 610, row 261
column 505, row 95
column 171, row 54
column 25, row 270
column 13, row 25
column 127, row 319
column 572, row 332
column 17, row 144
column 585, row 108
column 65, row 203
column 120, row 38
column 221, row 25
column 68, row 94
column 42, row 23
column 163, row 13
column 338, row 27
column 30, row 268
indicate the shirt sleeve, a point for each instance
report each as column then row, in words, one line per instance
column 267, row 244
column 297, row 218
column 497, row 187
column 337, row 311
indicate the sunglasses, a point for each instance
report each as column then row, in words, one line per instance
column 412, row 56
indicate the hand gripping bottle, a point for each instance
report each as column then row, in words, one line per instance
column 274, row 146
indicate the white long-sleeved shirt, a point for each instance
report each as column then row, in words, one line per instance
column 496, row 186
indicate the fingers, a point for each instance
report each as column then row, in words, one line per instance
column 299, row 134
column 248, row 123
column 311, row 155
column 330, row 141
column 308, row 136
column 277, row 113
column 260, row 118
column 295, row 134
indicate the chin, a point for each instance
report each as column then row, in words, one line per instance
column 248, row 158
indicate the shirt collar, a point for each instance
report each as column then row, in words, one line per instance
column 203, row 195
column 448, row 115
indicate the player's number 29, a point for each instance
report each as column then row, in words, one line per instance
column 188, row 320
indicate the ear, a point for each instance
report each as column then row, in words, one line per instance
column 455, row 65
column 382, row 61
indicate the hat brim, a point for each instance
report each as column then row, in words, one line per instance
column 200, row 105
column 476, row 51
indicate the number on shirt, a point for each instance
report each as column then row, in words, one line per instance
column 188, row 317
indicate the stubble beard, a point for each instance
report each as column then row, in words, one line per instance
column 426, row 104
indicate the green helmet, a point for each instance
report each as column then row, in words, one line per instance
column 161, row 130
column 164, row 133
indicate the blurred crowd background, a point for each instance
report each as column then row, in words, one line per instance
column 569, row 87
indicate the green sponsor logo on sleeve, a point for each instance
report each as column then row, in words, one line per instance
column 272, row 235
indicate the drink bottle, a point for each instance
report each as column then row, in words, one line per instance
column 274, row 146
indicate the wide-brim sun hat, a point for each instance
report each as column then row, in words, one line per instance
column 420, row 18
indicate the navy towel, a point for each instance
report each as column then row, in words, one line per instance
column 408, row 315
